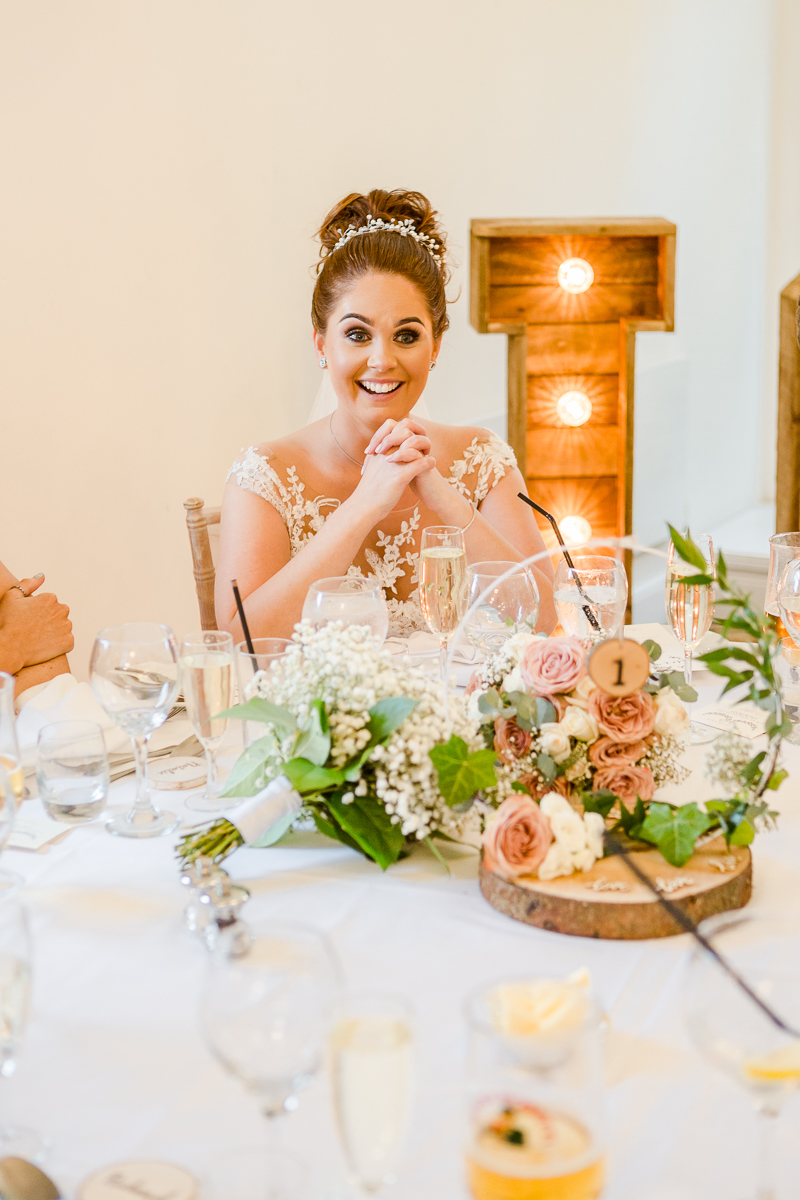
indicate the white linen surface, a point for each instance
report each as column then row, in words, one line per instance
column 113, row 1064
column 64, row 699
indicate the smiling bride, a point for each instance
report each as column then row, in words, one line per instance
column 352, row 492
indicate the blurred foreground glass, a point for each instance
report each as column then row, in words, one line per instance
column 783, row 547
column 207, row 676
column 264, row 1014
column 442, row 584
column 134, row 676
column 72, row 771
column 10, row 757
column 535, row 1092
column 15, row 985
column 690, row 609
column 603, row 591
column 510, row 606
column 266, row 652
column 9, row 880
column 351, row 601
column 371, row 1049
column 732, row 1032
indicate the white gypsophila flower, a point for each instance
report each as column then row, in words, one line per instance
column 554, row 741
column 672, row 719
column 578, row 724
column 513, row 682
column 725, row 761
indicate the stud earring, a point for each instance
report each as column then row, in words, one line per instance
column 433, row 364
column 323, row 362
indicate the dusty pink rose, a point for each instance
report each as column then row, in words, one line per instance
column 605, row 753
column 551, row 665
column 510, row 740
column 626, row 781
column 623, row 718
column 538, row 788
column 474, row 682
column 517, row 837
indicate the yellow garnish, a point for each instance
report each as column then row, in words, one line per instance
column 780, row 1064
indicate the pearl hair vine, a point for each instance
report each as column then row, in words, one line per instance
column 405, row 228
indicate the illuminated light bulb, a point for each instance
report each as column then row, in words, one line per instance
column 575, row 275
column 574, row 408
column 575, row 530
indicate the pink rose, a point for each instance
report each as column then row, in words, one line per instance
column 517, row 837
column 539, row 788
column 626, row 782
column 623, row 718
column 551, row 665
column 474, row 683
column 606, row 753
column 510, row 740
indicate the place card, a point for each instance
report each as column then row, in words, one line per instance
column 140, row 1181
column 31, row 832
column 744, row 719
column 176, row 773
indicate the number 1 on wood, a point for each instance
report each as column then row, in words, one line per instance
column 619, row 681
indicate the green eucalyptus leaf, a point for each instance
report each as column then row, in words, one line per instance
column 532, row 711
column 781, row 729
column 687, row 549
column 388, row 715
column 674, row 830
column 490, row 705
column 547, row 766
column 653, row 649
column 266, row 712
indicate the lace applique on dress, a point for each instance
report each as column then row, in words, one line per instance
column 390, row 558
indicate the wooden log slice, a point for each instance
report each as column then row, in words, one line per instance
column 610, row 902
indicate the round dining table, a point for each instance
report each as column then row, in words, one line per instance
column 113, row 1065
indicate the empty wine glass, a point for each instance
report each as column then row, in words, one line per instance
column 266, row 652
column 134, row 676
column 72, row 771
column 442, row 584
column 510, row 606
column 10, row 757
column 207, row 664
column 351, row 601
column 264, row 1014
column 733, row 1032
column 15, row 984
column 690, row 609
column 591, row 596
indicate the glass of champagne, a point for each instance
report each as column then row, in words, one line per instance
column 264, row 1014
column 72, row 771
column 15, row 985
column 690, row 609
column 508, row 606
column 351, row 601
column 10, row 757
column 134, row 676
column 590, row 598
column 207, row 667
column 790, row 655
column 266, row 652
column 9, row 880
column 371, row 1051
column 733, row 1032
column 442, row 584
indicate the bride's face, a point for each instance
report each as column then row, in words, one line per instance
column 379, row 345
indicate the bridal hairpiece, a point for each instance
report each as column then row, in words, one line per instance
column 405, row 228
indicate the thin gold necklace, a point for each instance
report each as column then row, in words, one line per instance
column 341, row 447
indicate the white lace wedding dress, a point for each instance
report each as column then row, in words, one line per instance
column 391, row 552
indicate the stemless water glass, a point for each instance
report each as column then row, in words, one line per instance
column 266, row 652
column 690, row 609
column 15, row 983
column 371, row 1050
column 134, row 676
column 733, row 1032
column 264, row 1015
column 72, row 771
column 442, row 584
column 590, row 598
column 207, row 666
column 10, row 757
column 9, row 880
column 783, row 547
column 351, row 601
column 509, row 606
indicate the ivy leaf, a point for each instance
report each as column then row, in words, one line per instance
column 653, row 649
column 369, row 825
column 686, row 693
column 547, row 766
column 314, row 739
column 632, row 821
column 307, row 777
column 743, row 834
column 687, row 549
column 777, row 779
column 462, row 774
column 248, row 775
column 600, row 802
column 266, row 712
column 674, row 830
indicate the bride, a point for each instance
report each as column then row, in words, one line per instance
column 352, row 492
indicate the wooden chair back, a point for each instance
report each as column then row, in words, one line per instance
column 203, row 526
column 787, row 492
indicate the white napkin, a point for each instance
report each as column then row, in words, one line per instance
column 255, row 816
column 672, row 656
column 428, row 644
column 63, row 699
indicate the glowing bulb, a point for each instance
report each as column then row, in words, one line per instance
column 576, row 530
column 574, row 408
column 575, row 275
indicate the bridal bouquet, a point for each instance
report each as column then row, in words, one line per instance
column 360, row 743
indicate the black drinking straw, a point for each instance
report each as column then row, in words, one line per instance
column 680, row 918
column 590, row 617
column 242, row 617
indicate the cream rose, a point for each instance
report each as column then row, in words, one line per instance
column 517, row 644
column 557, row 862
column 569, row 830
column 578, row 724
column 672, row 719
column 554, row 741
column 580, row 695
column 577, row 842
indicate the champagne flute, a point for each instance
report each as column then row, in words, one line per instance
column 134, row 676
column 207, row 662
column 351, row 601
column 507, row 606
column 442, row 584
column 371, row 1048
column 10, row 757
column 732, row 1032
column 690, row 609
column 603, row 590
column 15, row 983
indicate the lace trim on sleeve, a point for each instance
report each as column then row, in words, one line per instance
column 301, row 516
column 253, row 473
column 490, row 458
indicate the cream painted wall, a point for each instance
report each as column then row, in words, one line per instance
column 166, row 162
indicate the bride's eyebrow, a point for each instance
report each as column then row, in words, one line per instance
column 408, row 320
column 355, row 317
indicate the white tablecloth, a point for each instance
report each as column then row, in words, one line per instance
column 113, row 1066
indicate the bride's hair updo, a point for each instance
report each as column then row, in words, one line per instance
column 381, row 250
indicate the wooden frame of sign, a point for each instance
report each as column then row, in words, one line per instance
column 787, row 495
column 586, row 342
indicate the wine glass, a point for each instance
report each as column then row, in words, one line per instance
column 351, row 601
column 442, row 584
column 783, row 547
column 10, row 757
column 511, row 606
column 264, row 1014
column 72, row 771
column 732, row 1031
column 787, row 597
column 134, row 676
column 591, row 596
column 790, row 654
column 266, row 652
column 15, row 983
column 9, row 880
column 371, row 1050
column 207, row 663
column 690, row 609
